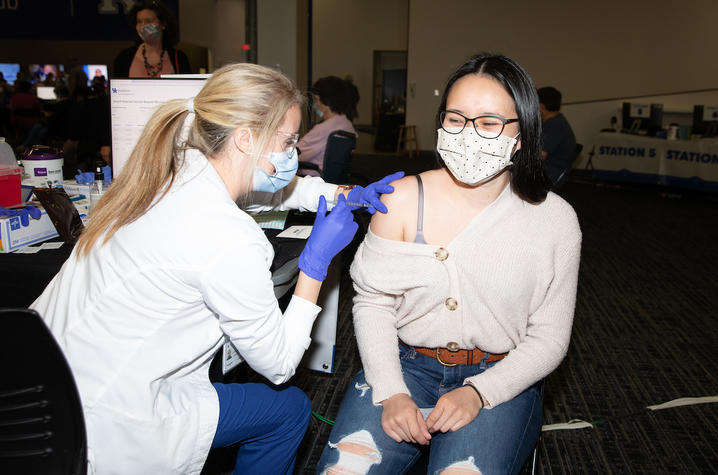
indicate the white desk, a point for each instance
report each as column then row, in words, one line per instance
column 682, row 163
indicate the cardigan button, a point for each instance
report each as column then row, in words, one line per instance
column 451, row 303
column 441, row 254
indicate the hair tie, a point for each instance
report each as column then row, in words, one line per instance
column 190, row 105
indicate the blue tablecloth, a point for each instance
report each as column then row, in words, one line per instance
column 681, row 163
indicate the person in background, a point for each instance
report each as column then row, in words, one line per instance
column 465, row 293
column 49, row 79
column 155, row 52
column 25, row 110
column 558, row 141
column 88, row 126
column 332, row 101
column 169, row 267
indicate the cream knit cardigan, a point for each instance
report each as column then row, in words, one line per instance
column 513, row 272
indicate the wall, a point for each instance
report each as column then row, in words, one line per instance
column 218, row 25
column 589, row 51
column 345, row 35
column 277, row 35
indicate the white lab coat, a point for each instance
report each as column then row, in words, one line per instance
column 140, row 318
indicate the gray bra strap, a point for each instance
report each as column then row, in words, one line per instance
column 419, row 238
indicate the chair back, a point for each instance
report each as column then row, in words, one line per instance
column 42, row 429
column 338, row 156
column 563, row 177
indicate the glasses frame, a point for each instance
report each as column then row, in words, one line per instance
column 481, row 133
column 295, row 138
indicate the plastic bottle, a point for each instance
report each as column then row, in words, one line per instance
column 7, row 156
column 97, row 188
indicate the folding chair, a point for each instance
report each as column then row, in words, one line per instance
column 42, row 428
column 337, row 158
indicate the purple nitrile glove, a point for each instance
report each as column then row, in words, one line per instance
column 331, row 233
column 370, row 194
column 107, row 173
column 24, row 214
column 84, row 178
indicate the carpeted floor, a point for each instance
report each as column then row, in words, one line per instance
column 645, row 332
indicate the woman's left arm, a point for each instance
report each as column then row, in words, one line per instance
column 548, row 331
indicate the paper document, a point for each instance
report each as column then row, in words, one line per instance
column 271, row 219
column 298, row 232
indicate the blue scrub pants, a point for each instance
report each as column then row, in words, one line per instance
column 269, row 423
column 497, row 442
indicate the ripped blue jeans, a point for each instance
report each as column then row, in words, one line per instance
column 498, row 441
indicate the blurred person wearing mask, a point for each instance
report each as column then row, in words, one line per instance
column 170, row 266
column 157, row 36
column 88, row 126
column 332, row 101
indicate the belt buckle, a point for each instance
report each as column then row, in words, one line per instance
column 441, row 362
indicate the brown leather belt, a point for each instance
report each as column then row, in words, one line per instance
column 457, row 357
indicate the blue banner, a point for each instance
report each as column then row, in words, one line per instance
column 94, row 20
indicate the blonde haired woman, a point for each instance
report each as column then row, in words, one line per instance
column 169, row 265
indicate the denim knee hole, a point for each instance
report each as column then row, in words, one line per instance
column 357, row 453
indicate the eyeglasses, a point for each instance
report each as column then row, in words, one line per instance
column 488, row 126
column 290, row 142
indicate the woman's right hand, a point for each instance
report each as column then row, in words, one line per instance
column 401, row 419
column 330, row 234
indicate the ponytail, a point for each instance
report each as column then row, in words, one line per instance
column 151, row 169
column 236, row 95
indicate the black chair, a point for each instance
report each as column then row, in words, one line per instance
column 563, row 177
column 337, row 158
column 42, row 429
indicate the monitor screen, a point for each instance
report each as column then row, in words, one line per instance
column 9, row 71
column 132, row 103
column 95, row 70
column 46, row 93
column 705, row 120
column 642, row 118
column 39, row 72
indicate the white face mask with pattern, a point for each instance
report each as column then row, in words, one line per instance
column 473, row 159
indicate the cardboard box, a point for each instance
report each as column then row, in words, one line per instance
column 74, row 188
column 13, row 235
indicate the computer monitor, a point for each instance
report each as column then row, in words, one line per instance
column 705, row 121
column 46, row 93
column 642, row 118
column 132, row 103
column 39, row 72
column 95, row 70
column 9, row 71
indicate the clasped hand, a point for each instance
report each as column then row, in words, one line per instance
column 402, row 420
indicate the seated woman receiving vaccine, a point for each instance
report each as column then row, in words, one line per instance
column 455, row 345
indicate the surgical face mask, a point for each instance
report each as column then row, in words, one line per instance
column 285, row 167
column 317, row 110
column 149, row 32
column 473, row 159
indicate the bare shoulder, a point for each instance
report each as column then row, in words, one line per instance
column 399, row 204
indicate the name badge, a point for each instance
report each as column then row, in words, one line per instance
column 230, row 357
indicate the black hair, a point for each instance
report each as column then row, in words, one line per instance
column 335, row 93
column 170, row 35
column 550, row 97
column 528, row 177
